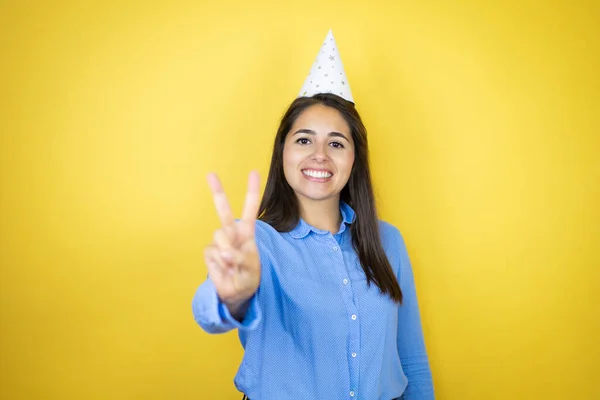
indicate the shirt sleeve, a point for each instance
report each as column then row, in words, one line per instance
column 411, row 344
column 214, row 316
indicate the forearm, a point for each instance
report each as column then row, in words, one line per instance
column 420, row 382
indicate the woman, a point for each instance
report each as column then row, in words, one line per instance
column 321, row 291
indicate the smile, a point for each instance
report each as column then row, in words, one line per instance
column 317, row 174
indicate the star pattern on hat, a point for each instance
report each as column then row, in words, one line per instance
column 319, row 81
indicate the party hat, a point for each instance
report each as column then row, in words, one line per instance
column 327, row 74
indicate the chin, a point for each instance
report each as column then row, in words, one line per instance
column 316, row 196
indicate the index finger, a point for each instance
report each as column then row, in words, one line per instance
column 252, row 201
column 220, row 200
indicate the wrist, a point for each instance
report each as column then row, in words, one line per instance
column 237, row 308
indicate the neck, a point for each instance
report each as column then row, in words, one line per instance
column 323, row 214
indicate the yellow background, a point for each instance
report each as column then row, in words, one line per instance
column 484, row 129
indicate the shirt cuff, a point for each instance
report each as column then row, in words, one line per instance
column 214, row 317
column 251, row 318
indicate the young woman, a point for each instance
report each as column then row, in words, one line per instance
column 320, row 290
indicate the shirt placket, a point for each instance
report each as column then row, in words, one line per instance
column 345, row 283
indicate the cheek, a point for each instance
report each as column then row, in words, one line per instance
column 286, row 159
column 290, row 163
column 347, row 162
column 291, row 159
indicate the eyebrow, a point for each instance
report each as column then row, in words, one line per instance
column 311, row 132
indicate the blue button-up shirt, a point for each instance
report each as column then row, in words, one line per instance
column 315, row 329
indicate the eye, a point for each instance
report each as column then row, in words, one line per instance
column 336, row 145
column 303, row 141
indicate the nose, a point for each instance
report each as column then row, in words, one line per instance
column 320, row 155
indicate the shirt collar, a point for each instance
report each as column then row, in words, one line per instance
column 302, row 229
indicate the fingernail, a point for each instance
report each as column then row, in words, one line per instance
column 227, row 255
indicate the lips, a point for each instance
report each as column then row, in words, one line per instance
column 320, row 174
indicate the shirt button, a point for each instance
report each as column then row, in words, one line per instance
column 345, row 281
column 353, row 317
column 353, row 354
column 352, row 394
column 335, row 248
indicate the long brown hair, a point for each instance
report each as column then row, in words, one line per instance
column 279, row 205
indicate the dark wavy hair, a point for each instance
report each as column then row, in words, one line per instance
column 279, row 205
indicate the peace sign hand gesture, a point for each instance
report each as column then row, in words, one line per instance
column 232, row 259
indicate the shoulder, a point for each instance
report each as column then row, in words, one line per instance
column 268, row 239
column 389, row 231
column 391, row 237
column 265, row 232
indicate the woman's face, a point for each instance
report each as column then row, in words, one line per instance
column 318, row 154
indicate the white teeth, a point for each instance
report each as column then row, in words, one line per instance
column 317, row 174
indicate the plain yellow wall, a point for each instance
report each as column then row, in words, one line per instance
column 484, row 127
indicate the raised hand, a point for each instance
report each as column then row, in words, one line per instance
column 232, row 258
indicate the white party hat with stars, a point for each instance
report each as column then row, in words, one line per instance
column 327, row 74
